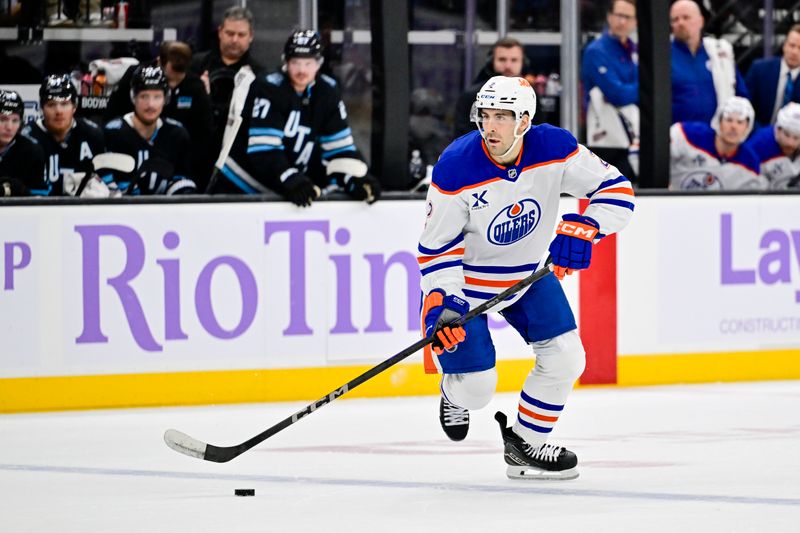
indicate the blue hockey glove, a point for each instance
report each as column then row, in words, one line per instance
column 572, row 248
column 440, row 310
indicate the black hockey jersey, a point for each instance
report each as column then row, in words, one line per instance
column 282, row 131
column 169, row 143
column 23, row 160
column 84, row 141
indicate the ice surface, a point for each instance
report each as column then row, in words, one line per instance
column 709, row 458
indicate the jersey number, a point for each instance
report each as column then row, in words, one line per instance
column 260, row 108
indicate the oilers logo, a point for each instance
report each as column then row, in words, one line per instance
column 702, row 180
column 514, row 222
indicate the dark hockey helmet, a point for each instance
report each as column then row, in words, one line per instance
column 58, row 87
column 303, row 43
column 11, row 103
column 148, row 79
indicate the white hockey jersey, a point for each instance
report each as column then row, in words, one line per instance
column 490, row 226
column 780, row 171
column 696, row 164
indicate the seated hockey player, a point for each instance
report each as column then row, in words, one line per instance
column 21, row 160
column 160, row 147
column 491, row 211
column 69, row 142
column 704, row 157
column 778, row 149
column 294, row 138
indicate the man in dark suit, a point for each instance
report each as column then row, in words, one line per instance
column 773, row 82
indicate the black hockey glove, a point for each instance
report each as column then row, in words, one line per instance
column 12, row 187
column 300, row 190
column 366, row 188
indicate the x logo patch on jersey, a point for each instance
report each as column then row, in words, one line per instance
column 479, row 200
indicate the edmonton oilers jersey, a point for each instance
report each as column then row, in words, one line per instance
column 488, row 226
column 695, row 163
column 781, row 171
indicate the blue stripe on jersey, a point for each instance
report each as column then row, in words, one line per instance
column 478, row 294
column 611, row 201
column 239, row 182
column 437, row 251
column 108, row 178
column 538, row 429
column 266, row 131
column 350, row 148
column 440, row 266
column 41, row 192
column 607, row 183
column 539, row 403
column 501, row 269
column 341, row 135
column 262, row 148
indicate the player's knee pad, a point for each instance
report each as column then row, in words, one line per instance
column 471, row 390
column 561, row 358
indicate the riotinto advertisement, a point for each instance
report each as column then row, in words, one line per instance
column 156, row 288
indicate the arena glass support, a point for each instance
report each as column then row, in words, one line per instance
column 390, row 92
column 655, row 93
column 570, row 61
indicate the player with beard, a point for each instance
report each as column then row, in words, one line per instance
column 160, row 147
column 68, row 142
column 21, row 160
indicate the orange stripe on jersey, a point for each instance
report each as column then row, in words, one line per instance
column 467, row 187
column 537, row 416
column 617, row 190
column 543, row 163
column 490, row 282
column 423, row 260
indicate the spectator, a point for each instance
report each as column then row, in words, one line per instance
column 160, row 148
column 704, row 74
column 713, row 157
column 778, row 149
column 68, row 142
column 507, row 59
column 21, row 160
column 610, row 76
column 218, row 67
column 772, row 83
column 294, row 138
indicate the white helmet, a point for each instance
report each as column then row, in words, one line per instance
column 511, row 94
column 737, row 107
column 789, row 118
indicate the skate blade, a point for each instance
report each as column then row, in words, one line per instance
column 536, row 474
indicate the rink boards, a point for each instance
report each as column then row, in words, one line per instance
column 170, row 304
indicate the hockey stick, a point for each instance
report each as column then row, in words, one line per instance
column 183, row 443
column 241, row 83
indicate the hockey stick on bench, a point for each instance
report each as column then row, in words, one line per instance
column 183, row 443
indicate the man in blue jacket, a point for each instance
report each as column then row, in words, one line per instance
column 610, row 76
column 772, row 83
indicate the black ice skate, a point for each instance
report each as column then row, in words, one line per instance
column 454, row 420
column 541, row 462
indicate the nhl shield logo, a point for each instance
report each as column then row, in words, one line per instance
column 512, row 173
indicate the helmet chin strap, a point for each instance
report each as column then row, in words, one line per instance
column 517, row 137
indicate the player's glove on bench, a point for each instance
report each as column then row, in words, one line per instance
column 440, row 310
column 572, row 248
column 300, row 189
column 366, row 188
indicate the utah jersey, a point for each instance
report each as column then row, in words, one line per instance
column 488, row 226
column 83, row 142
column 169, row 142
column 695, row 163
column 283, row 132
column 23, row 160
column 781, row 171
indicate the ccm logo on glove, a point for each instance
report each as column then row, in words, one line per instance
column 572, row 248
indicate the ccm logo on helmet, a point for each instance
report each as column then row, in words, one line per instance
column 514, row 222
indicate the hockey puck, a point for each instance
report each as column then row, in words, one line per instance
column 245, row 492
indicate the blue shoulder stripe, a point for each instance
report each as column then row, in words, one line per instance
column 341, row 135
column 608, row 183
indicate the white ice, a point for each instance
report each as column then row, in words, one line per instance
column 710, row 458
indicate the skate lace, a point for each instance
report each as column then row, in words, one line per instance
column 545, row 452
column 454, row 415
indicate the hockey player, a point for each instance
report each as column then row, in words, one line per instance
column 21, row 160
column 66, row 140
column 704, row 157
column 294, row 138
column 160, row 147
column 778, row 149
column 491, row 211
